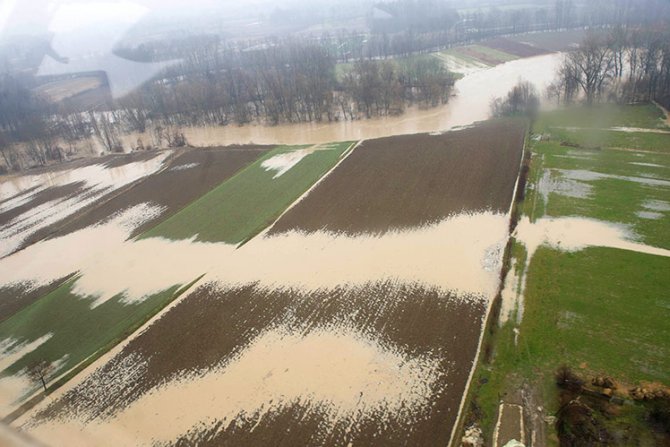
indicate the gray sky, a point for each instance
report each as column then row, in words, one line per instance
column 30, row 16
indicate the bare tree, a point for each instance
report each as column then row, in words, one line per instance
column 521, row 100
column 106, row 131
column 617, row 41
column 39, row 371
column 590, row 66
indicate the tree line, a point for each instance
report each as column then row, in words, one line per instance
column 292, row 82
column 332, row 76
column 625, row 65
column 288, row 83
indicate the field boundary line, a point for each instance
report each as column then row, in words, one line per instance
column 518, row 176
column 104, row 357
column 475, row 365
column 343, row 157
column 476, row 362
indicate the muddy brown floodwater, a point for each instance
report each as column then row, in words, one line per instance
column 394, row 320
column 471, row 104
column 320, row 337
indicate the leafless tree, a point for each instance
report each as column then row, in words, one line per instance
column 39, row 371
column 106, row 131
column 590, row 66
column 521, row 100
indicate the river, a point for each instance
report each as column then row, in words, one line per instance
column 473, row 94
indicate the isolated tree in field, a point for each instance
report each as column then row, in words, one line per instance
column 39, row 371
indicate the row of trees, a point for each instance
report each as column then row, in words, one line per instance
column 289, row 83
column 333, row 76
column 625, row 65
column 292, row 82
column 424, row 25
column 403, row 27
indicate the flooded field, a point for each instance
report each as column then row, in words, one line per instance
column 294, row 366
column 32, row 204
column 339, row 334
column 421, row 179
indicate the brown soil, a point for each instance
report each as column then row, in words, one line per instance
column 510, row 425
column 487, row 58
column 173, row 189
column 212, row 325
column 555, row 40
column 412, row 180
column 118, row 160
column 513, row 47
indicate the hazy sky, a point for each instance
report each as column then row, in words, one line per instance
column 29, row 16
column 90, row 18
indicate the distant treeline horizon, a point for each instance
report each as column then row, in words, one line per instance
column 326, row 76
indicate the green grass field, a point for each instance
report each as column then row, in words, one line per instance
column 603, row 116
column 245, row 204
column 78, row 331
column 623, row 184
column 588, row 127
column 598, row 310
column 589, row 138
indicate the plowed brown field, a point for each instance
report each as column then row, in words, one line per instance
column 413, row 180
column 332, row 346
column 214, row 327
column 514, row 47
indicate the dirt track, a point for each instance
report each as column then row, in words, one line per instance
column 413, row 180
